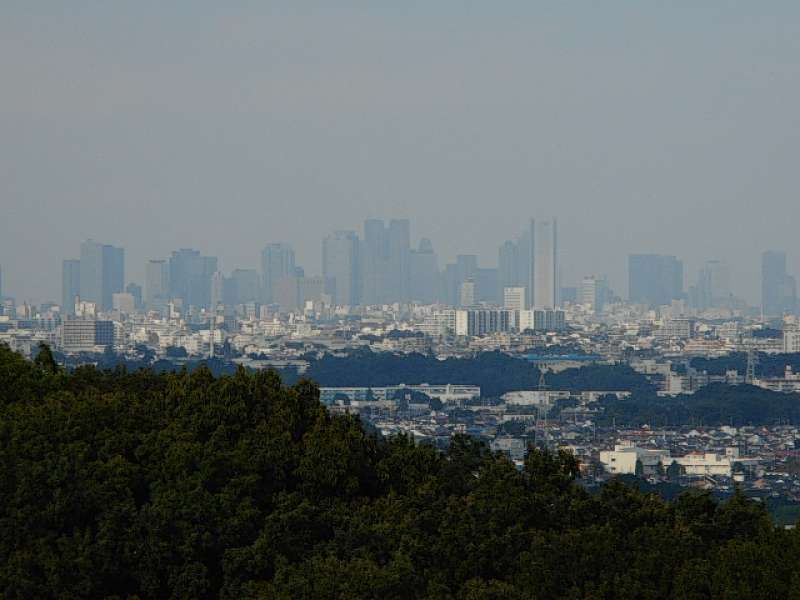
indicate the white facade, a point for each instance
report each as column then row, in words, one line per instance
column 623, row 458
column 791, row 340
column 514, row 298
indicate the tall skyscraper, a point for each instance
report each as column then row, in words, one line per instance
column 102, row 273
column 277, row 262
column 385, row 255
column 135, row 290
column 70, row 285
column 424, row 274
column 713, row 289
column 340, row 263
column 778, row 289
column 190, row 276
column 465, row 267
column 156, row 285
column 654, row 279
column 245, row 286
column 544, row 233
column 508, row 266
column 399, row 253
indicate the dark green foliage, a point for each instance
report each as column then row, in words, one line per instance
column 183, row 485
column 715, row 404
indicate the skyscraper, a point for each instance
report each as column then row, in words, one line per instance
column 102, row 273
column 713, row 289
column 245, row 286
column 778, row 290
column 424, row 274
column 156, row 285
column 190, row 276
column 654, row 279
column 544, row 233
column 277, row 262
column 385, row 255
column 508, row 266
column 340, row 263
column 594, row 292
column 70, row 285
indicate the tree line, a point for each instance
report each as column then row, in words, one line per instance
column 119, row 484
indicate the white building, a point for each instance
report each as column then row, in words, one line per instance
column 623, row 458
column 791, row 339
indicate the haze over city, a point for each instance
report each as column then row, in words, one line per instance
column 641, row 127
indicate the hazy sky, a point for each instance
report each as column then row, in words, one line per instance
column 667, row 127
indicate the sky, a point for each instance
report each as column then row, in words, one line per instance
column 642, row 126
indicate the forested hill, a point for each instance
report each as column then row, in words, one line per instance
column 136, row 485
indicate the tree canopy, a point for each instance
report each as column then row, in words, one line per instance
column 125, row 484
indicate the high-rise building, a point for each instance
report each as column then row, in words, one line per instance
column 102, row 273
column 486, row 287
column 713, row 289
column 135, row 290
column 544, row 233
column 424, row 274
column 340, row 263
column 594, row 292
column 654, row 279
column 399, row 253
column 508, row 266
column 245, row 286
column 70, row 285
column 277, row 262
column 385, row 255
column 466, row 293
column 514, row 298
column 465, row 267
column 86, row 335
column 190, row 276
column 778, row 290
column 156, row 285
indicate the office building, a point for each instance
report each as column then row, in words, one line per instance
column 86, row 335
column 424, row 277
column 508, row 266
column 135, row 290
column 713, row 288
column 277, row 262
column 778, row 291
column 594, row 293
column 190, row 276
column 102, row 273
column 544, row 276
column 514, row 298
column 791, row 339
column 467, row 293
column 340, row 263
column 465, row 267
column 245, row 286
column 384, row 261
column 654, row 279
column 124, row 303
column 156, row 285
column 70, row 285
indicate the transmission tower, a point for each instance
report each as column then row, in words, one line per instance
column 752, row 361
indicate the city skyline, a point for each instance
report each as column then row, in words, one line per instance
column 230, row 128
column 379, row 265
